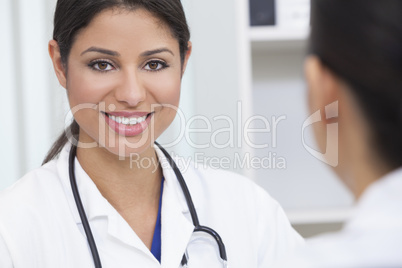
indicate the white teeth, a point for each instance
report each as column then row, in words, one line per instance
column 127, row 120
column 133, row 121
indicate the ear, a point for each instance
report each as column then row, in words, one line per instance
column 323, row 89
column 54, row 52
column 323, row 85
column 186, row 58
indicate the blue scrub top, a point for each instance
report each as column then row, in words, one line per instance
column 156, row 247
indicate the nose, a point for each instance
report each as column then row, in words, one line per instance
column 130, row 90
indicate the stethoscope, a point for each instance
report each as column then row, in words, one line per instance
column 186, row 192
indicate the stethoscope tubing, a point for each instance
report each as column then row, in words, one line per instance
column 81, row 211
column 191, row 207
column 183, row 186
column 187, row 195
column 218, row 239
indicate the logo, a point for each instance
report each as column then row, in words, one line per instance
column 330, row 156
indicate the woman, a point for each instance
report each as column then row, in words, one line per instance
column 356, row 61
column 121, row 63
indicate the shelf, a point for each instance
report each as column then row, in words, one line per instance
column 273, row 37
column 319, row 216
column 274, row 34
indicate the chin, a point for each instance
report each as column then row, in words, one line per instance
column 127, row 147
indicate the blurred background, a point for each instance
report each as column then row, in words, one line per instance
column 247, row 65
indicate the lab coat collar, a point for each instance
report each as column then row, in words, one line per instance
column 177, row 227
column 170, row 179
column 96, row 207
column 378, row 205
column 84, row 187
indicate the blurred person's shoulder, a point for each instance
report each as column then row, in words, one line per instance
column 346, row 249
column 372, row 237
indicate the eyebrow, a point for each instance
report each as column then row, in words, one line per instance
column 101, row 50
column 117, row 54
column 156, row 51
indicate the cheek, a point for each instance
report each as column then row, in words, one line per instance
column 165, row 93
column 85, row 94
column 85, row 88
column 166, row 89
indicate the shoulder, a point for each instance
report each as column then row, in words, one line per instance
column 230, row 191
column 30, row 193
column 243, row 205
column 225, row 182
column 41, row 177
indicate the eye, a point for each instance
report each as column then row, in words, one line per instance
column 102, row 66
column 155, row 65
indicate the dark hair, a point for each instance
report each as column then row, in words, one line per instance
column 73, row 15
column 361, row 42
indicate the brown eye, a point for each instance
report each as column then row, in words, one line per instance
column 156, row 65
column 102, row 65
column 153, row 65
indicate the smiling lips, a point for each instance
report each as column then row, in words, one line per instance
column 128, row 123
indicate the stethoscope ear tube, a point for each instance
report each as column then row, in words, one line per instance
column 193, row 212
column 186, row 192
column 81, row 211
column 183, row 186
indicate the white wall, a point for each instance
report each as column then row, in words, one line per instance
column 30, row 96
column 9, row 135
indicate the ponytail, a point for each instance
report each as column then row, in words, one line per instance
column 72, row 130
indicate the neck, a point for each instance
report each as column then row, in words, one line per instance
column 364, row 178
column 360, row 164
column 362, row 171
column 125, row 183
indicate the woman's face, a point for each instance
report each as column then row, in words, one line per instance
column 123, row 80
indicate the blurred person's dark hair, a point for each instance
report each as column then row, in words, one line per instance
column 361, row 42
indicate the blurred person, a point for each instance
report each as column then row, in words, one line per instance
column 355, row 62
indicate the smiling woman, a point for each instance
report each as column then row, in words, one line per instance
column 127, row 75
column 121, row 63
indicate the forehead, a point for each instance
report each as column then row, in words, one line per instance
column 119, row 28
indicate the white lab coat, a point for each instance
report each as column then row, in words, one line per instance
column 40, row 226
column 372, row 237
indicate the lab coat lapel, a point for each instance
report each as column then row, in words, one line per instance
column 177, row 227
column 96, row 207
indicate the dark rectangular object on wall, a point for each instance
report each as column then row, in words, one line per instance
column 262, row 12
